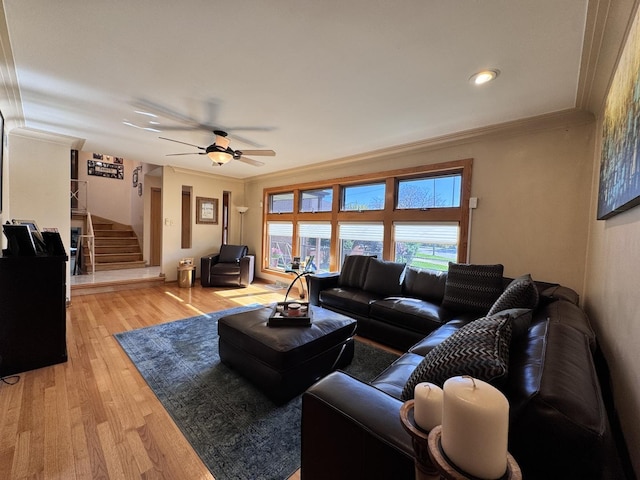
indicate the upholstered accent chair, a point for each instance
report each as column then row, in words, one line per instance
column 231, row 267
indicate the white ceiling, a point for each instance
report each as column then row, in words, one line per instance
column 319, row 80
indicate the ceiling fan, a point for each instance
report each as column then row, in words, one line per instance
column 220, row 153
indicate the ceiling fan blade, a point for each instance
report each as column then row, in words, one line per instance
column 184, row 143
column 251, row 161
column 264, row 153
column 192, row 153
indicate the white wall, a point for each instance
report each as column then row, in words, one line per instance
column 39, row 166
column 112, row 198
column 206, row 238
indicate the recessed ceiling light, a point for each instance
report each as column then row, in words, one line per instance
column 484, row 76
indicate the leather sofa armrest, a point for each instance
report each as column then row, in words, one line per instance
column 351, row 429
column 206, row 263
column 247, row 270
column 318, row 282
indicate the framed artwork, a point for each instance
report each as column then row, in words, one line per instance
column 619, row 167
column 207, row 210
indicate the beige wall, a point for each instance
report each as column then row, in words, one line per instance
column 38, row 182
column 613, row 304
column 206, row 238
column 532, row 184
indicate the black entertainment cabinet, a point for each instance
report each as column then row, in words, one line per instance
column 32, row 312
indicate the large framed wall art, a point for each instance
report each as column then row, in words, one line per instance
column 620, row 159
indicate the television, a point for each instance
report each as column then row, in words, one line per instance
column 19, row 240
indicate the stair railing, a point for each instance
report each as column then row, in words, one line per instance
column 90, row 241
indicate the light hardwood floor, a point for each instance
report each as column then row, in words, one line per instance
column 94, row 417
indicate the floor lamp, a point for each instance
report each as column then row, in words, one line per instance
column 241, row 211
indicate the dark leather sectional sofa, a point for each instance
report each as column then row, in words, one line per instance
column 559, row 427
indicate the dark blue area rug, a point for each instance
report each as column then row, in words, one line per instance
column 237, row 431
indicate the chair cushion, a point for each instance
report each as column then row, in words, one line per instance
column 472, row 288
column 479, row 349
column 520, row 293
column 232, row 253
column 384, row 278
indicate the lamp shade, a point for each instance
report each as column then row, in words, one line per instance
column 219, row 157
column 242, row 209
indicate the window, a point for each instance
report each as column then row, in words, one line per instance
column 281, row 202
column 315, row 239
column 280, row 239
column 426, row 245
column 319, row 200
column 359, row 198
column 430, row 192
column 418, row 215
column 361, row 239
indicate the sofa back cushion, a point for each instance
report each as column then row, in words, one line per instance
column 424, row 284
column 472, row 288
column 354, row 271
column 232, row 253
column 384, row 278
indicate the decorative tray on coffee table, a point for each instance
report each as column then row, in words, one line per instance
column 290, row 314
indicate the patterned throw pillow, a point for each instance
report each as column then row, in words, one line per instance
column 472, row 288
column 520, row 293
column 479, row 349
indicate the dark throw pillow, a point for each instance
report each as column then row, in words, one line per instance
column 472, row 288
column 479, row 349
column 384, row 278
column 520, row 293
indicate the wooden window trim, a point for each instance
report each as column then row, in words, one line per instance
column 387, row 215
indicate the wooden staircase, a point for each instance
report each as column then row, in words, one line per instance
column 116, row 247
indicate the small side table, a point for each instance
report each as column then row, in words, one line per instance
column 431, row 462
column 299, row 275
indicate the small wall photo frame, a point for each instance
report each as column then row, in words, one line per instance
column 207, row 210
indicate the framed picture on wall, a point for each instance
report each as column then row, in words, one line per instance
column 206, row 210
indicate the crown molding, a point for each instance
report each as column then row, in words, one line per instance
column 10, row 101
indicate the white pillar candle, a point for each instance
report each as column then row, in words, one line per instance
column 475, row 427
column 427, row 406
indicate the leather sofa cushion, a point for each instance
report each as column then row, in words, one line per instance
column 384, row 278
column 354, row 271
column 472, row 288
column 573, row 316
column 425, row 284
column 556, row 407
column 225, row 269
column 393, row 379
column 410, row 313
column 352, row 300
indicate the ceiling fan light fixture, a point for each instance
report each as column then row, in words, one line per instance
column 484, row 76
column 220, row 157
